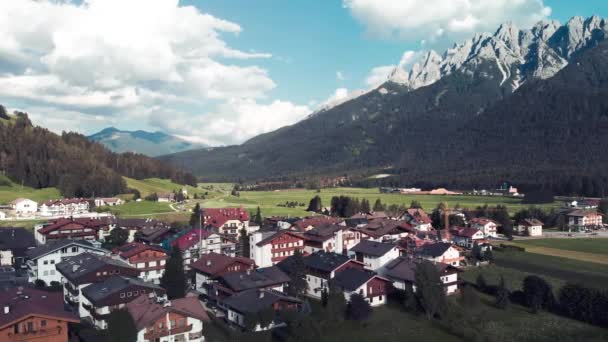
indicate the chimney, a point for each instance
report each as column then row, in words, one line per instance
column 75, row 268
column 208, row 263
column 261, row 294
column 7, row 309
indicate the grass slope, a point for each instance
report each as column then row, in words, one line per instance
column 143, row 208
column 152, row 185
column 10, row 191
column 592, row 245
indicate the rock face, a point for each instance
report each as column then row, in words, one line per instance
column 521, row 55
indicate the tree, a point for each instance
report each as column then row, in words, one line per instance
column 174, row 278
column 378, row 206
column 195, row 217
column 538, row 294
column 324, row 297
column 257, row 218
column 297, row 274
column 315, row 204
column 266, row 317
column 603, row 208
column 244, row 243
column 118, row 237
column 365, row 206
column 469, row 299
column 358, row 309
column 250, row 321
column 121, row 327
column 336, row 304
column 153, row 197
column 415, row 205
column 39, row 283
column 502, row 295
column 410, row 303
column 476, row 252
column 429, row 289
column 481, row 283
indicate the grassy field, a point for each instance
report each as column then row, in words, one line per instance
column 592, row 245
column 152, row 185
column 28, row 224
column 143, row 208
column 515, row 266
column 13, row 191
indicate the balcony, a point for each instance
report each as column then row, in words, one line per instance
column 38, row 335
column 152, row 335
column 196, row 335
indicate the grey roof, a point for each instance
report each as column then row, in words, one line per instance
column 255, row 300
column 52, row 246
column 351, row 278
column 401, row 268
column 373, row 248
column 81, row 265
column 252, row 279
column 18, row 240
column 325, row 261
column 434, row 249
column 99, row 291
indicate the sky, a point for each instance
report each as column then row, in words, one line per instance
column 223, row 71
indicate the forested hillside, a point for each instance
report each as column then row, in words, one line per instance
column 39, row 158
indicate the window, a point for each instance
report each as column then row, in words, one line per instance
column 122, row 295
column 136, row 293
column 172, row 324
column 45, row 273
column 43, row 323
column 181, row 323
column 129, row 294
column 74, row 249
column 52, row 262
column 46, row 262
column 52, row 272
column 30, row 326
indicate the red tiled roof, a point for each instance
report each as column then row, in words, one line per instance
column 531, row 222
column 464, row 232
column 316, row 221
column 278, row 234
column 191, row 238
column 74, row 223
column 584, row 213
column 216, row 217
column 145, row 310
column 482, row 221
column 134, row 248
column 25, row 302
column 65, row 201
column 213, row 263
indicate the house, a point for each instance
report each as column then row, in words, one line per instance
column 41, row 261
column 368, row 284
column 34, row 315
column 370, row 216
column 85, row 269
column 73, row 228
column 165, row 197
column 374, row 255
column 213, row 265
column 153, row 234
column 64, row 207
column 487, row 226
column 466, row 237
column 163, row 320
column 196, row 242
column 248, row 303
column 227, row 221
column 110, row 202
column 440, row 252
column 24, row 207
column 530, row 227
column 584, row 219
column 14, row 242
column 329, row 238
column 418, row 218
column 323, row 266
column 2, row 215
column 99, row 299
column 234, row 282
column 269, row 248
column 402, row 272
column 136, row 225
column 316, row 221
column 148, row 260
column 384, row 230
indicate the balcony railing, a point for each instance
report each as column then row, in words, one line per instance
column 36, row 335
column 152, row 335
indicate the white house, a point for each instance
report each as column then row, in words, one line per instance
column 466, row 237
column 110, row 202
column 366, row 283
column 440, row 252
column 24, row 207
column 321, row 267
column 64, row 207
column 42, row 259
column 2, row 215
column 270, row 248
column 375, row 254
column 584, row 219
column 530, row 227
column 402, row 272
column 251, row 302
column 487, row 226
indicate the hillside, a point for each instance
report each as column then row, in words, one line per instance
column 37, row 158
column 157, row 185
column 10, row 191
column 468, row 123
column 148, row 143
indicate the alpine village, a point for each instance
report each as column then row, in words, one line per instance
column 463, row 198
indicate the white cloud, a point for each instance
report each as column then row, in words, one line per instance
column 134, row 59
column 378, row 75
column 340, row 76
column 442, row 21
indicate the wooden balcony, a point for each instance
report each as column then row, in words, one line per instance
column 38, row 335
column 167, row 332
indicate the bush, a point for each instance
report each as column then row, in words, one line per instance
column 358, row 309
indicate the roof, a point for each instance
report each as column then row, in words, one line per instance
column 100, row 291
column 373, row 248
column 315, row 221
column 21, row 199
column 18, row 240
column 268, row 237
column 139, row 223
column 582, row 213
column 530, row 222
column 404, row 269
column 434, row 249
column 370, row 216
column 26, row 302
column 325, row 261
column 52, row 246
column 352, row 278
column 465, row 232
column 481, row 220
column 214, row 263
column 191, row 238
column 251, row 279
column 134, row 248
column 216, row 217
column 145, row 310
column 378, row 228
column 77, row 267
column 322, row 232
column 93, row 223
column 256, row 300
column 65, row 201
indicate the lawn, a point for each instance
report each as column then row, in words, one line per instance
column 592, row 245
column 143, row 208
column 28, row 224
column 13, row 191
column 152, row 185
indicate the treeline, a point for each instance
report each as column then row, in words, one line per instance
column 39, row 158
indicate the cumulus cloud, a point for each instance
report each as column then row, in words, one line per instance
column 340, row 76
column 134, row 59
column 442, row 21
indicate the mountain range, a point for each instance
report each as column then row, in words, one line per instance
column 148, row 143
column 523, row 105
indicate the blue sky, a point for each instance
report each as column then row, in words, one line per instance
column 223, row 71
